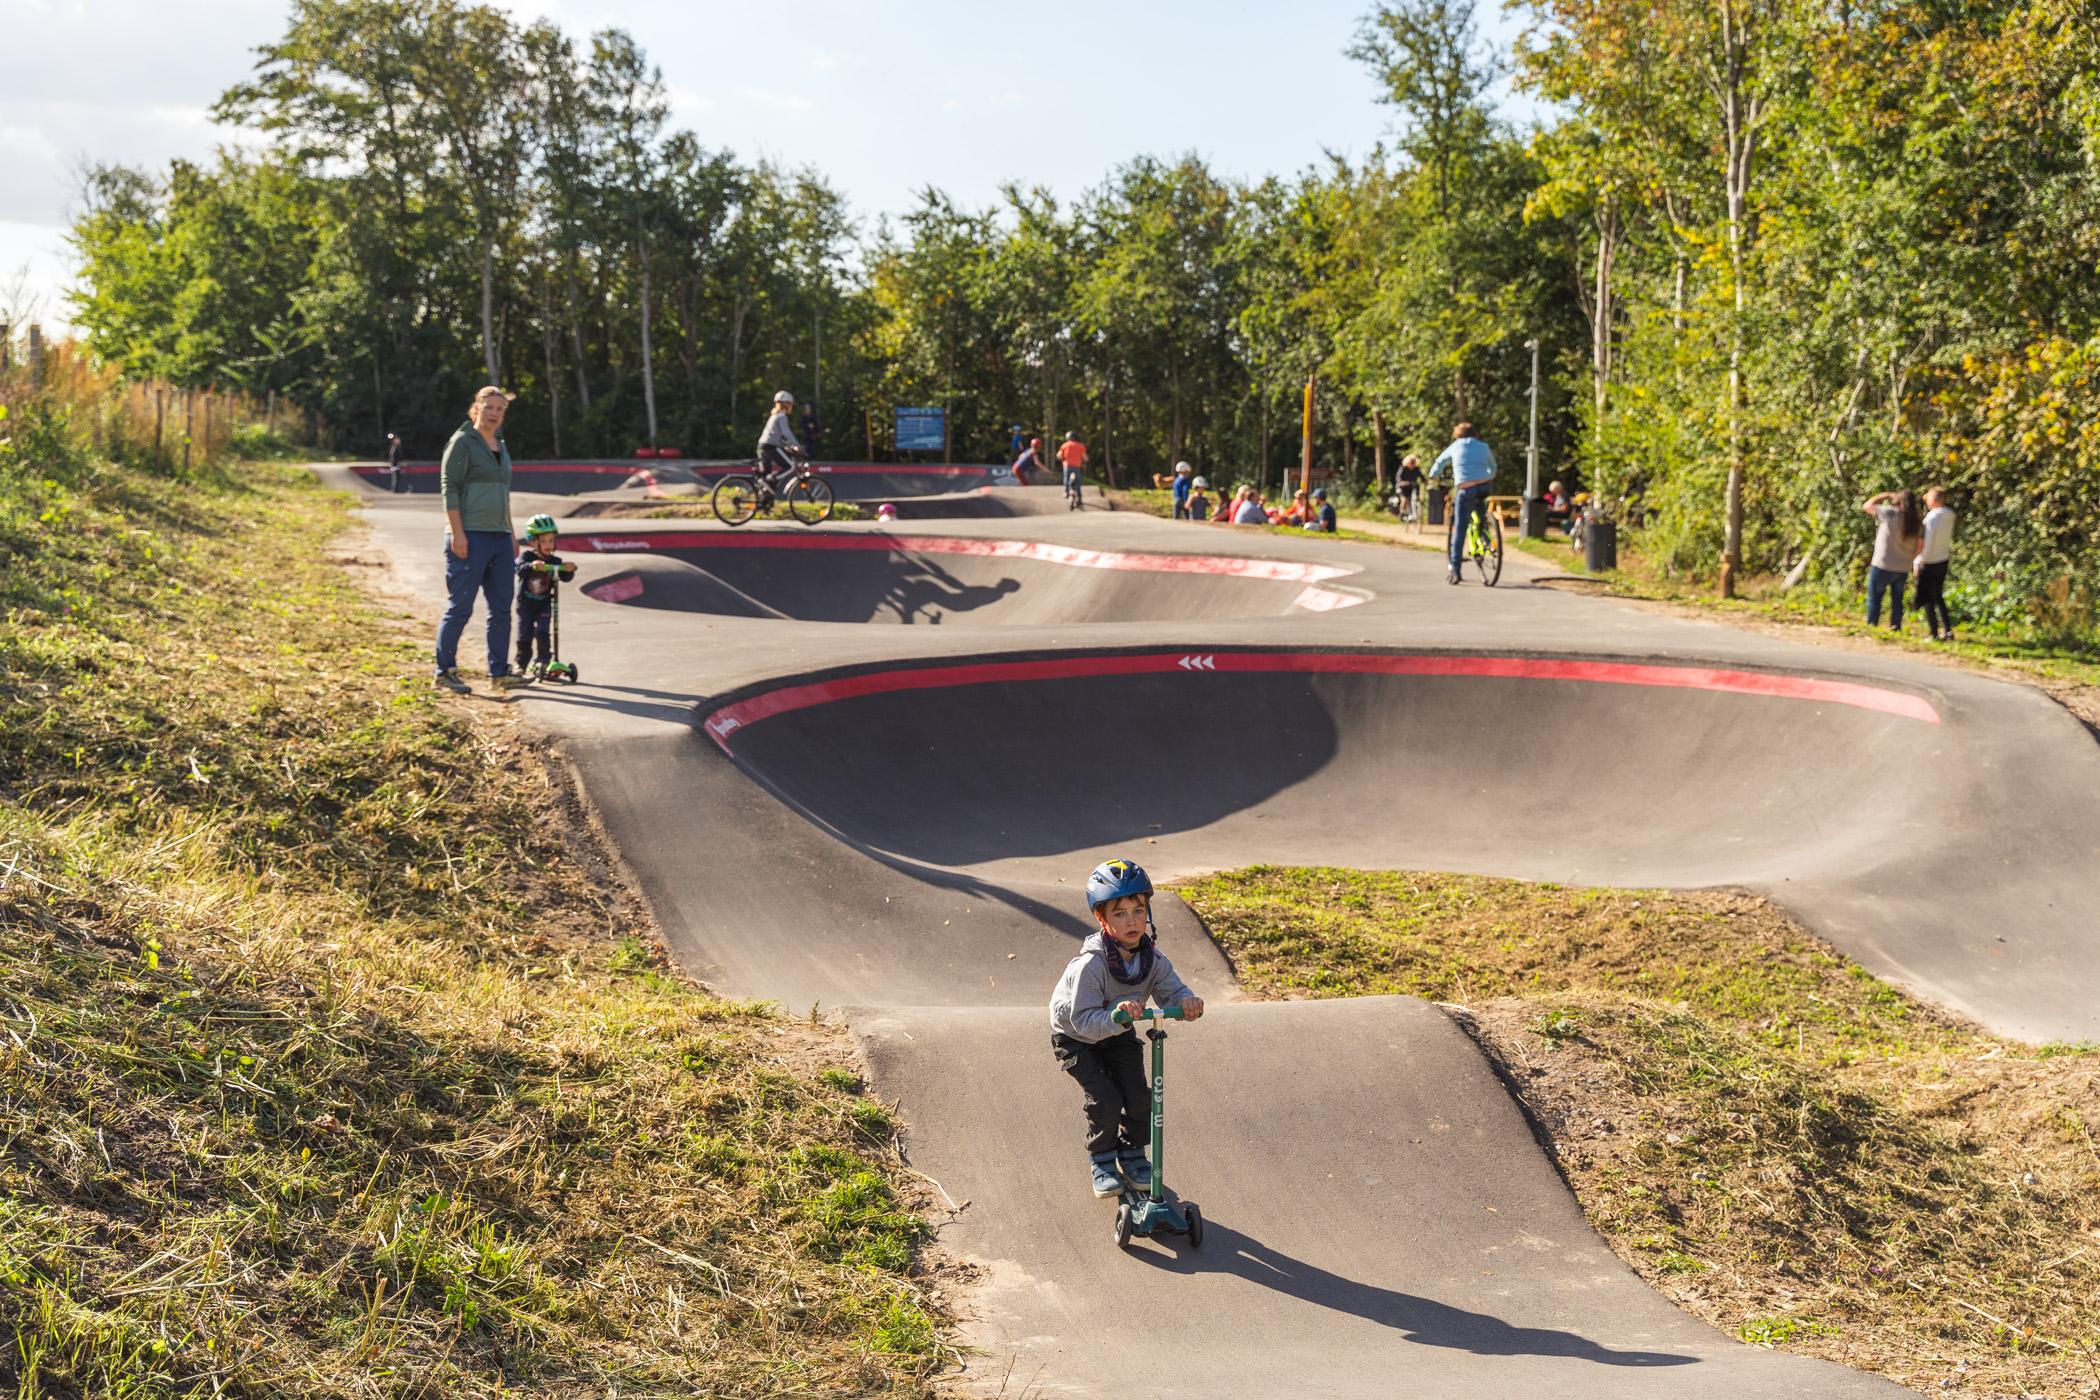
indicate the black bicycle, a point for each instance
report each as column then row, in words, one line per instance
column 748, row 495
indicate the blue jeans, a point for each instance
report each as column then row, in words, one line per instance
column 1889, row 581
column 486, row 570
column 1472, row 501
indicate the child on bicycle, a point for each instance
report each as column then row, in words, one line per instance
column 538, row 567
column 1071, row 454
column 779, row 454
column 1118, row 967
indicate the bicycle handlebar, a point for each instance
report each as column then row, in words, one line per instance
column 1158, row 1013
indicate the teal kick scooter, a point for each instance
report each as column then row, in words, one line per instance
column 557, row 669
column 1150, row 1212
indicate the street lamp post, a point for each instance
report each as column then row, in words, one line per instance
column 1534, row 511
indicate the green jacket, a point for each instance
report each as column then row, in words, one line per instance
column 476, row 481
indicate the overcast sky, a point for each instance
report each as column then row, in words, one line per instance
column 884, row 96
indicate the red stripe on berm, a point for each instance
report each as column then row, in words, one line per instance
column 744, row 713
column 1214, row 565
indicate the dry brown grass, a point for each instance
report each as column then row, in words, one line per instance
column 1789, row 1147
column 337, row 1060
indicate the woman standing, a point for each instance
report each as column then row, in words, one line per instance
column 480, row 550
column 1898, row 531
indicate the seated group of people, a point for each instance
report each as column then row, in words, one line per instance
column 1247, row 506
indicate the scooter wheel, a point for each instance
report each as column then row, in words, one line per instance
column 574, row 675
column 1195, row 1226
column 1123, row 1224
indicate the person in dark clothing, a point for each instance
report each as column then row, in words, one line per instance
column 538, row 567
column 394, row 455
column 1118, row 967
column 1322, row 516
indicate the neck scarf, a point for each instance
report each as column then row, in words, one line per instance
column 1121, row 970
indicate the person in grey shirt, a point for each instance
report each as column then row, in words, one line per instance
column 1118, row 968
column 778, row 452
column 1898, row 531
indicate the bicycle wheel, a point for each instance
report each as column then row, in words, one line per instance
column 1490, row 556
column 736, row 499
column 809, row 500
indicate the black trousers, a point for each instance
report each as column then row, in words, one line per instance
column 1118, row 1096
column 1931, row 598
column 535, row 627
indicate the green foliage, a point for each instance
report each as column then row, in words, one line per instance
column 1836, row 250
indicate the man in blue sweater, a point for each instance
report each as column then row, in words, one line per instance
column 1472, row 476
column 1184, row 477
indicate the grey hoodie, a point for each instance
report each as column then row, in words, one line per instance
column 1087, row 995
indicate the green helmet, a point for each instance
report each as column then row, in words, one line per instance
column 541, row 525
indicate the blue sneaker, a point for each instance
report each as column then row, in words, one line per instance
column 1106, row 1182
column 1136, row 1170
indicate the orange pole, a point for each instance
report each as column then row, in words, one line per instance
column 1305, row 442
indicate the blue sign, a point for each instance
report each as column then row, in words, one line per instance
column 922, row 429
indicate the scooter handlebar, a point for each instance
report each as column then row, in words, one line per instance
column 1157, row 1013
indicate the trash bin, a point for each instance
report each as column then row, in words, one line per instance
column 1600, row 546
column 1534, row 517
column 1436, row 505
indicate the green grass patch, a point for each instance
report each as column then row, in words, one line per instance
column 335, row 1065
column 2039, row 651
column 1751, row 1119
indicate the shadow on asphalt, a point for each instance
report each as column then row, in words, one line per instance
column 669, row 707
column 1430, row 1323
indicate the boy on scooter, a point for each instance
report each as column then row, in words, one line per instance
column 538, row 565
column 1118, row 967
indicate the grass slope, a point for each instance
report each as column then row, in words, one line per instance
column 336, row 1062
column 1791, row 1148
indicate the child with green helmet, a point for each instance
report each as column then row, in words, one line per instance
column 538, row 567
column 1117, row 968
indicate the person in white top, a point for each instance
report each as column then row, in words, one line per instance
column 1931, row 567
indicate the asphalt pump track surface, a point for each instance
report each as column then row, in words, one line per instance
column 920, row 490
column 898, row 823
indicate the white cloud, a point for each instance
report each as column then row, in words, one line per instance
column 780, row 101
column 28, row 143
column 685, row 99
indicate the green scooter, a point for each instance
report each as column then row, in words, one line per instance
column 556, row 669
column 1150, row 1212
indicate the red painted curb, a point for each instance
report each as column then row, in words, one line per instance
column 744, row 713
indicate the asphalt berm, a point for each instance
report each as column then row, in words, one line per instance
column 896, row 822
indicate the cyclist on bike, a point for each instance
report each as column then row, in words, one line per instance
column 779, row 454
column 1472, row 476
column 1409, row 481
column 1072, row 455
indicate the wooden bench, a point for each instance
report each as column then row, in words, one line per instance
column 1508, row 509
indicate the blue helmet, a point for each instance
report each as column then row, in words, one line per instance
column 1113, row 879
